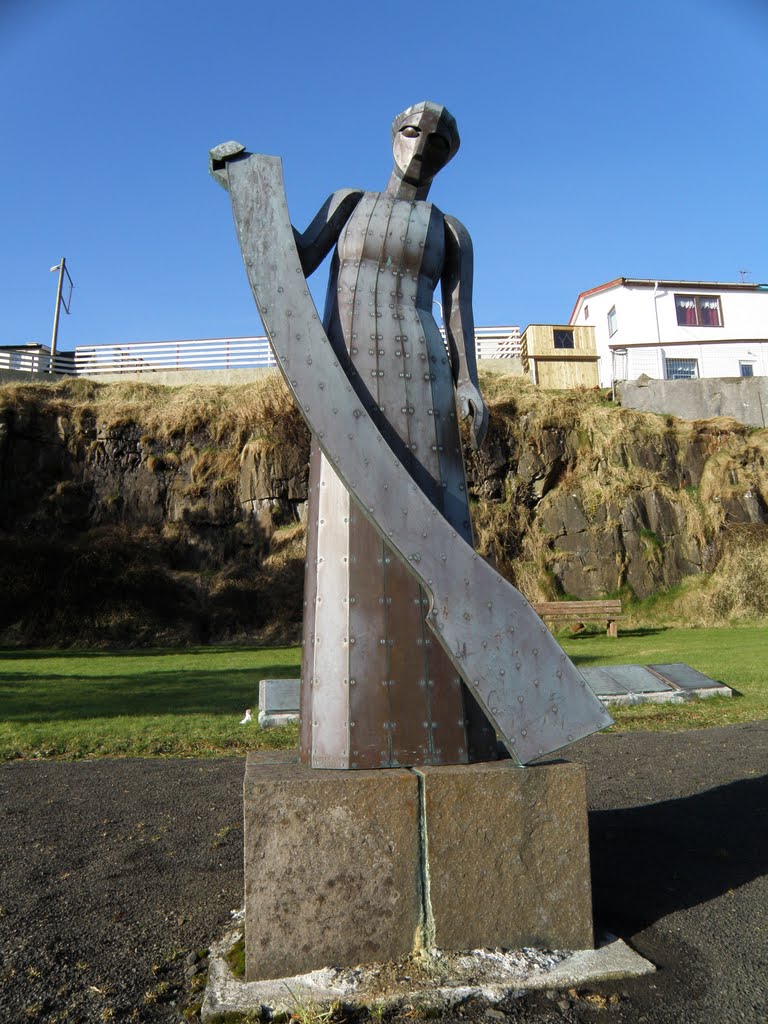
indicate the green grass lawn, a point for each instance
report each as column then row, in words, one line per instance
column 138, row 703
column 735, row 656
column 189, row 703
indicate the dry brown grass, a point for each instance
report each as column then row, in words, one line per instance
column 223, row 412
column 738, row 588
column 610, row 456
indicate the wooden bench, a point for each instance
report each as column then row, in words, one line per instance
column 607, row 611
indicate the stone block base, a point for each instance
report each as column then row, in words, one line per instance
column 350, row 867
column 508, row 856
column 332, row 871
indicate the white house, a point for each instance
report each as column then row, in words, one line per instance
column 676, row 330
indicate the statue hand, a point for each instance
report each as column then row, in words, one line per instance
column 218, row 156
column 471, row 404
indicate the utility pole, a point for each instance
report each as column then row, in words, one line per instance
column 60, row 301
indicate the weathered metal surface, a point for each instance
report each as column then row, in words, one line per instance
column 602, row 683
column 619, row 680
column 685, row 677
column 526, row 685
column 635, row 678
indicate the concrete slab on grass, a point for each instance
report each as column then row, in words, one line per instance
column 278, row 701
column 652, row 684
column 613, row 684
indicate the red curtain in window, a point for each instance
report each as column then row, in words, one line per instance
column 686, row 312
column 710, row 313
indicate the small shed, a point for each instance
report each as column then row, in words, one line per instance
column 560, row 356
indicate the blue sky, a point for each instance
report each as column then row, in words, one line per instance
column 599, row 139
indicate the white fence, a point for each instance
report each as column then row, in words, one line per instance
column 497, row 342
column 207, row 354
column 146, row 357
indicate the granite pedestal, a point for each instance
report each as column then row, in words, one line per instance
column 351, row 867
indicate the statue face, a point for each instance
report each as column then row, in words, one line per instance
column 421, row 147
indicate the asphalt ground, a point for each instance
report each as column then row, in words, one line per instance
column 114, row 874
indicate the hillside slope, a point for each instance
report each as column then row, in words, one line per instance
column 140, row 514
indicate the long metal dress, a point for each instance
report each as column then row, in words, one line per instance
column 377, row 689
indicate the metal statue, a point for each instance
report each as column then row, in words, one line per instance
column 415, row 650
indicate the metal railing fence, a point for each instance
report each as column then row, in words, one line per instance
column 196, row 354
column 146, row 357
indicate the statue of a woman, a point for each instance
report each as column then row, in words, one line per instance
column 377, row 689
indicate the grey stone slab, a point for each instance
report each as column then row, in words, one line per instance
column 602, row 683
column 332, row 870
column 635, row 684
column 636, row 678
column 687, row 678
column 279, row 695
column 508, row 856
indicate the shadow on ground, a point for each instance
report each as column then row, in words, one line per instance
column 650, row 861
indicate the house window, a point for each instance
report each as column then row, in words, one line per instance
column 698, row 310
column 586, row 312
column 612, row 327
column 682, row 369
column 563, row 337
column 747, row 369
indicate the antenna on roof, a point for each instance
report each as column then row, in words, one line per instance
column 743, row 275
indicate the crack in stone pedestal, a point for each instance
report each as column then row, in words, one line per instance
column 425, row 939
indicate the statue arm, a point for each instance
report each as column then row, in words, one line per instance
column 460, row 327
column 316, row 242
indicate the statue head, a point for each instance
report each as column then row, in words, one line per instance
column 424, row 139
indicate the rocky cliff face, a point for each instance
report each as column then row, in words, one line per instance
column 131, row 514
column 605, row 500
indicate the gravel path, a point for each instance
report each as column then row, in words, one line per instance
column 114, row 873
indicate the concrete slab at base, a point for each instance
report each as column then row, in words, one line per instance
column 438, row 981
column 508, row 855
column 331, row 867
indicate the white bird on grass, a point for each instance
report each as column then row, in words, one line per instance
column 248, row 717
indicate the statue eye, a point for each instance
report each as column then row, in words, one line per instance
column 439, row 142
column 411, row 131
